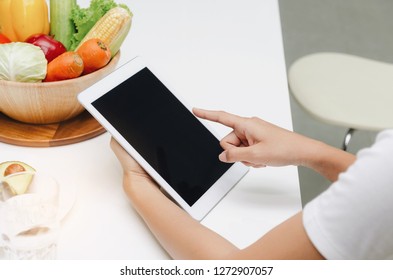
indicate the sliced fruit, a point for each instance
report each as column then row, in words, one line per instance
column 16, row 175
column 13, row 168
column 9, row 167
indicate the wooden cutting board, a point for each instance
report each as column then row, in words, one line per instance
column 80, row 128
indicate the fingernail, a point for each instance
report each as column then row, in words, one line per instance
column 223, row 157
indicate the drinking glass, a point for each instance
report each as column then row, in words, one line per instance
column 29, row 222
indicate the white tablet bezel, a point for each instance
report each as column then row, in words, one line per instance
column 213, row 195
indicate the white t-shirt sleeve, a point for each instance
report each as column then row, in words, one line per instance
column 353, row 219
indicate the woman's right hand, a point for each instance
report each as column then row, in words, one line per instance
column 258, row 143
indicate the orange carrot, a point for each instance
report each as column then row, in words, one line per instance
column 68, row 65
column 95, row 55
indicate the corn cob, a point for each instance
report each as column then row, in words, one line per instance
column 112, row 29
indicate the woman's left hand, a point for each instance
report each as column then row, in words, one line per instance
column 135, row 177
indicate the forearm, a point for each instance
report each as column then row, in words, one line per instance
column 326, row 160
column 180, row 235
column 185, row 238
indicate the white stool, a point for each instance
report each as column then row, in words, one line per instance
column 344, row 90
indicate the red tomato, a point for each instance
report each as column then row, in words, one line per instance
column 4, row 39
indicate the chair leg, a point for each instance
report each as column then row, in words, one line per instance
column 347, row 138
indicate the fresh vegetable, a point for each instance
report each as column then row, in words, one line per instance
column 22, row 62
column 51, row 47
column 85, row 18
column 6, row 27
column 68, row 65
column 112, row 28
column 21, row 18
column 105, row 21
column 62, row 28
column 4, row 39
column 95, row 55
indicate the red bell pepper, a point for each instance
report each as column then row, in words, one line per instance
column 4, row 39
column 51, row 47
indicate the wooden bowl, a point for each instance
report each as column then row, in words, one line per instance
column 49, row 102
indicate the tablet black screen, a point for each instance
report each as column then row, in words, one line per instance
column 165, row 133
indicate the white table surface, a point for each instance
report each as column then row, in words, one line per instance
column 222, row 54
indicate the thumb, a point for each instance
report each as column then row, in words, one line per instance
column 236, row 154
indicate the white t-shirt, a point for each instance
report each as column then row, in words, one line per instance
column 353, row 219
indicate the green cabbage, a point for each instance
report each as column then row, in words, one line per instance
column 22, row 62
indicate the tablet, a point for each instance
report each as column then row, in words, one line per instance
column 145, row 115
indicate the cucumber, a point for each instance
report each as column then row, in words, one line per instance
column 62, row 27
